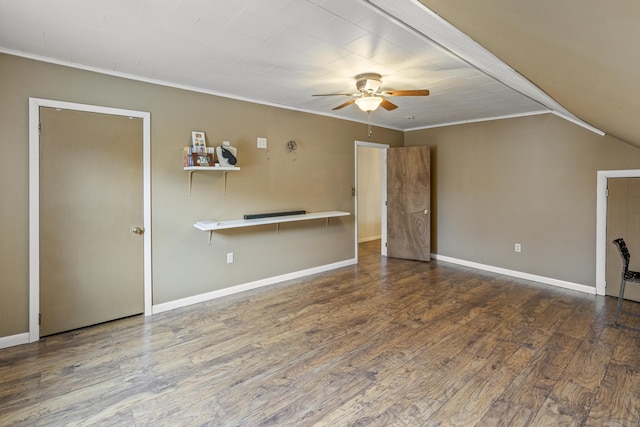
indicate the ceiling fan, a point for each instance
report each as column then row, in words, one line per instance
column 368, row 98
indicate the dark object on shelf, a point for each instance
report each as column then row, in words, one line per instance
column 268, row 215
column 227, row 154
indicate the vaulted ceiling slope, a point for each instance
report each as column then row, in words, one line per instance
column 280, row 52
column 583, row 53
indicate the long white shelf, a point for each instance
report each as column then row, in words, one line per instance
column 212, row 225
column 211, row 168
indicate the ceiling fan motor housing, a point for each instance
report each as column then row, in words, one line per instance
column 368, row 82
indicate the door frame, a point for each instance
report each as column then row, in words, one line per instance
column 383, row 207
column 601, row 223
column 34, row 199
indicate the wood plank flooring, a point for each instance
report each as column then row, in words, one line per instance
column 384, row 343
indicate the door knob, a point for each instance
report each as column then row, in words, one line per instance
column 426, row 211
column 137, row 230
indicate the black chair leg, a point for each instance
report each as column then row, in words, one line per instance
column 620, row 298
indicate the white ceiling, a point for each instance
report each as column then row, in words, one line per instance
column 280, row 52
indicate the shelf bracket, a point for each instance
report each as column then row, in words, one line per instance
column 224, row 183
column 190, row 181
column 210, row 236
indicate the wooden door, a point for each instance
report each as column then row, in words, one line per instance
column 91, row 201
column 623, row 220
column 409, row 203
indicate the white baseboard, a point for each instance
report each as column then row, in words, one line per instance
column 18, row 339
column 519, row 274
column 12, row 340
column 171, row 305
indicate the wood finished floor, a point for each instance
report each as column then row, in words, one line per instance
column 386, row 342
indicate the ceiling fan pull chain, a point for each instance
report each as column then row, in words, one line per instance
column 370, row 131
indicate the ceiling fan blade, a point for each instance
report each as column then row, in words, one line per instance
column 388, row 105
column 349, row 102
column 337, row 94
column 419, row 92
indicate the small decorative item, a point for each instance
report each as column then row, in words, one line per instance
column 227, row 155
column 191, row 156
column 202, row 159
column 199, row 141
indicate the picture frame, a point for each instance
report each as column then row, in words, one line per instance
column 202, row 159
column 199, row 141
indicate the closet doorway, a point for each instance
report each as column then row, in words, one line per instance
column 371, row 193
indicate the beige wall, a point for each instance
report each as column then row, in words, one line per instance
column 317, row 177
column 528, row 180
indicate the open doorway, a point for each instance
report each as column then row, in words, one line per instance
column 602, row 245
column 370, row 193
column 623, row 221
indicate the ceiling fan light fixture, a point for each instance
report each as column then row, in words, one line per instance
column 368, row 103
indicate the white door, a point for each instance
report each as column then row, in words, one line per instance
column 91, row 218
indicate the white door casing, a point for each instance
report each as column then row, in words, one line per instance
column 34, row 201
column 601, row 222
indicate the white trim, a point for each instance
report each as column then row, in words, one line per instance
column 34, row 200
column 34, row 220
column 601, row 223
column 13, row 340
column 383, row 207
column 414, row 16
column 484, row 119
column 364, row 120
column 171, row 305
column 513, row 116
column 286, row 107
column 383, row 184
column 518, row 274
column 579, row 122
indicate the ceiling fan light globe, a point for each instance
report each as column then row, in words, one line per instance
column 368, row 103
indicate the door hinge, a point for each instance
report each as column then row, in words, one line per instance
column 353, row 191
column 606, row 192
column 385, row 203
column 39, row 318
column 40, row 129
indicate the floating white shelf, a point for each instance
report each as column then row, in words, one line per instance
column 211, row 225
column 224, row 169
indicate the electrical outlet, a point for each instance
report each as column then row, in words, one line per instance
column 229, row 257
column 262, row 142
column 518, row 247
